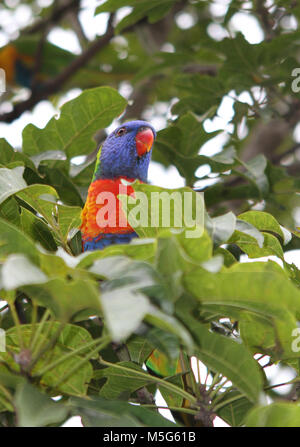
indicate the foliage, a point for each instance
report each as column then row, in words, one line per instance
column 82, row 325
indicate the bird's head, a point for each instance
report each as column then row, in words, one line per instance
column 126, row 152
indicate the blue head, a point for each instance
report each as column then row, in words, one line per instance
column 126, row 152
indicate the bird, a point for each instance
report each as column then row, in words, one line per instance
column 18, row 67
column 123, row 158
column 27, row 65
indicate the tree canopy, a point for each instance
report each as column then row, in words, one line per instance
column 81, row 326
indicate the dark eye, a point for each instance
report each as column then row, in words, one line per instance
column 121, row 131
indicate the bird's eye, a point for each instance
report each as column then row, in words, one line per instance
column 121, row 131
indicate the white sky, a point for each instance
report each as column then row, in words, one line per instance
column 170, row 178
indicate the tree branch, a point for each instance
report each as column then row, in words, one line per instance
column 57, row 14
column 55, row 84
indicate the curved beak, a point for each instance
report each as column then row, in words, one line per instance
column 144, row 140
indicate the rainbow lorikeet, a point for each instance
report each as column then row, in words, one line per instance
column 124, row 157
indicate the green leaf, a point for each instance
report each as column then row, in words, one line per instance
column 9, row 210
column 262, row 221
column 62, row 353
column 68, row 218
column 223, row 355
column 37, row 229
column 256, row 173
column 154, row 10
column 121, row 381
column 124, row 305
column 269, row 335
column 8, row 156
column 66, row 189
column 221, row 228
column 35, row 409
column 196, row 250
column 138, row 249
column 99, row 412
column 234, row 413
column 246, row 232
column 11, row 181
column 279, row 414
column 155, row 209
column 47, row 155
column 165, row 342
column 139, row 349
column 66, row 298
column 18, row 271
column 42, row 198
column 255, row 287
column 168, row 265
column 169, row 323
column 13, row 240
column 271, row 247
column 124, row 310
column 198, row 93
column 79, row 120
column 185, row 137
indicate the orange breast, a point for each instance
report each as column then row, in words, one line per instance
column 8, row 56
column 102, row 212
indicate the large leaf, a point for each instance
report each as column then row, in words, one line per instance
column 99, row 412
column 263, row 221
column 79, row 120
column 154, row 209
column 257, row 287
column 13, row 240
column 11, row 181
column 65, row 298
column 154, row 10
column 8, row 156
column 62, row 353
column 18, row 271
column 223, row 355
column 280, row 414
column 121, row 380
column 35, row 409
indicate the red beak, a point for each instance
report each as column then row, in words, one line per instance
column 144, row 140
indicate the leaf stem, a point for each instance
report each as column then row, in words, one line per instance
column 229, row 401
column 83, row 361
column 181, row 409
column 67, row 356
column 17, row 323
column 39, row 329
column 162, row 382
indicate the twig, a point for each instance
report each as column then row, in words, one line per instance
column 55, row 17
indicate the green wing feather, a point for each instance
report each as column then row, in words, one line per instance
column 161, row 365
column 97, row 165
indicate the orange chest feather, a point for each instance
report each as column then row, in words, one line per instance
column 102, row 212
